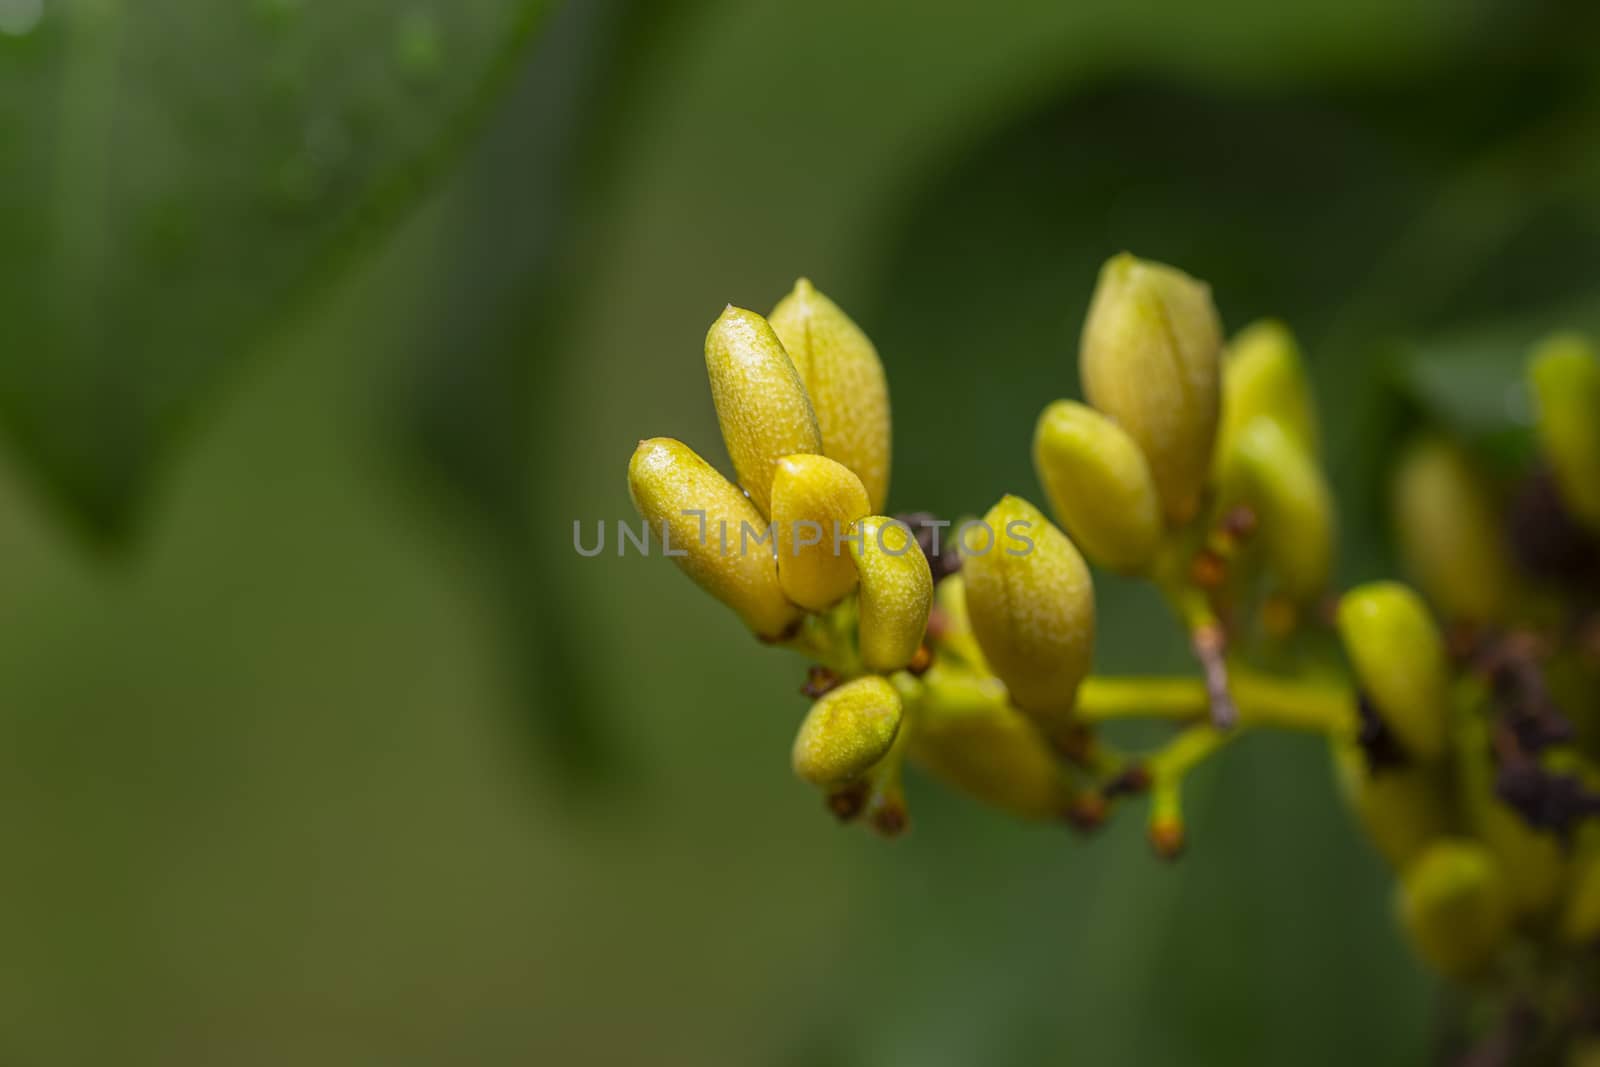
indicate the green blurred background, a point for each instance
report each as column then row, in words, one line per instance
column 322, row 320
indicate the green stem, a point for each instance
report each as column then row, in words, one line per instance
column 1184, row 752
column 1321, row 706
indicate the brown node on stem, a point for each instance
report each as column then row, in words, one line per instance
column 789, row 634
column 819, row 681
column 1208, row 569
column 921, row 660
column 889, row 817
column 1512, row 665
column 1087, row 812
column 847, row 801
column 1076, row 744
column 1132, row 780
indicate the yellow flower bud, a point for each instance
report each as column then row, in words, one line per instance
column 1295, row 506
column 1149, row 359
column 988, row 750
column 1399, row 661
column 1099, row 485
column 1533, row 860
column 701, row 518
column 842, row 373
column 1450, row 534
column 896, row 592
column 1565, row 375
column 1031, row 602
column 847, row 731
column 761, row 404
column 1263, row 374
column 1401, row 809
column 814, row 503
column 1452, row 905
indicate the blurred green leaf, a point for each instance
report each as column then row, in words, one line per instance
column 1472, row 382
column 479, row 393
column 176, row 175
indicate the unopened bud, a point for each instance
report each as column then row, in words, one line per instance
column 1399, row 661
column 847, row 731
column 1290, row 496
column 1099, row 485
column 761, row 404
column 955, row 624
column 1533, row 861
column 991, row 752
column 1452, row 904
column 700, row 517
column 896, row 592
column 844, row 377
column 1565, row 375
column 1149, row 359
column 814, row 500
column 1450, row 532
column 1263, row 374
column 1402, row 809
column 1032, row 608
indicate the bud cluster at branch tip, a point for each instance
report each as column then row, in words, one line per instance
column 1463, row 717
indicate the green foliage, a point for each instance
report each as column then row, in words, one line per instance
column 176, row 175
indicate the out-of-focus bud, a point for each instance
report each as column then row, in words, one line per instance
column 989, row 751
column 1450, row 533
column 1452, row 904
column 701, row 518
column 896, row 592
column 1399, row 661
column 1099, row 485
column 1565, row 375
column 847, row 731
column 1031, row 602
column 1533, row 862
column 842, row 373
column 1401, row 809
column 761, row 404
column 955, row 625
column 814, row 503
column 1292, row 500
column 1263, row 374
column 1149, row 359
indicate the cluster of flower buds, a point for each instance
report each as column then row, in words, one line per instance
column 798, row 548
column 1477, row 768
column 1194, row 465
column 981, row 649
